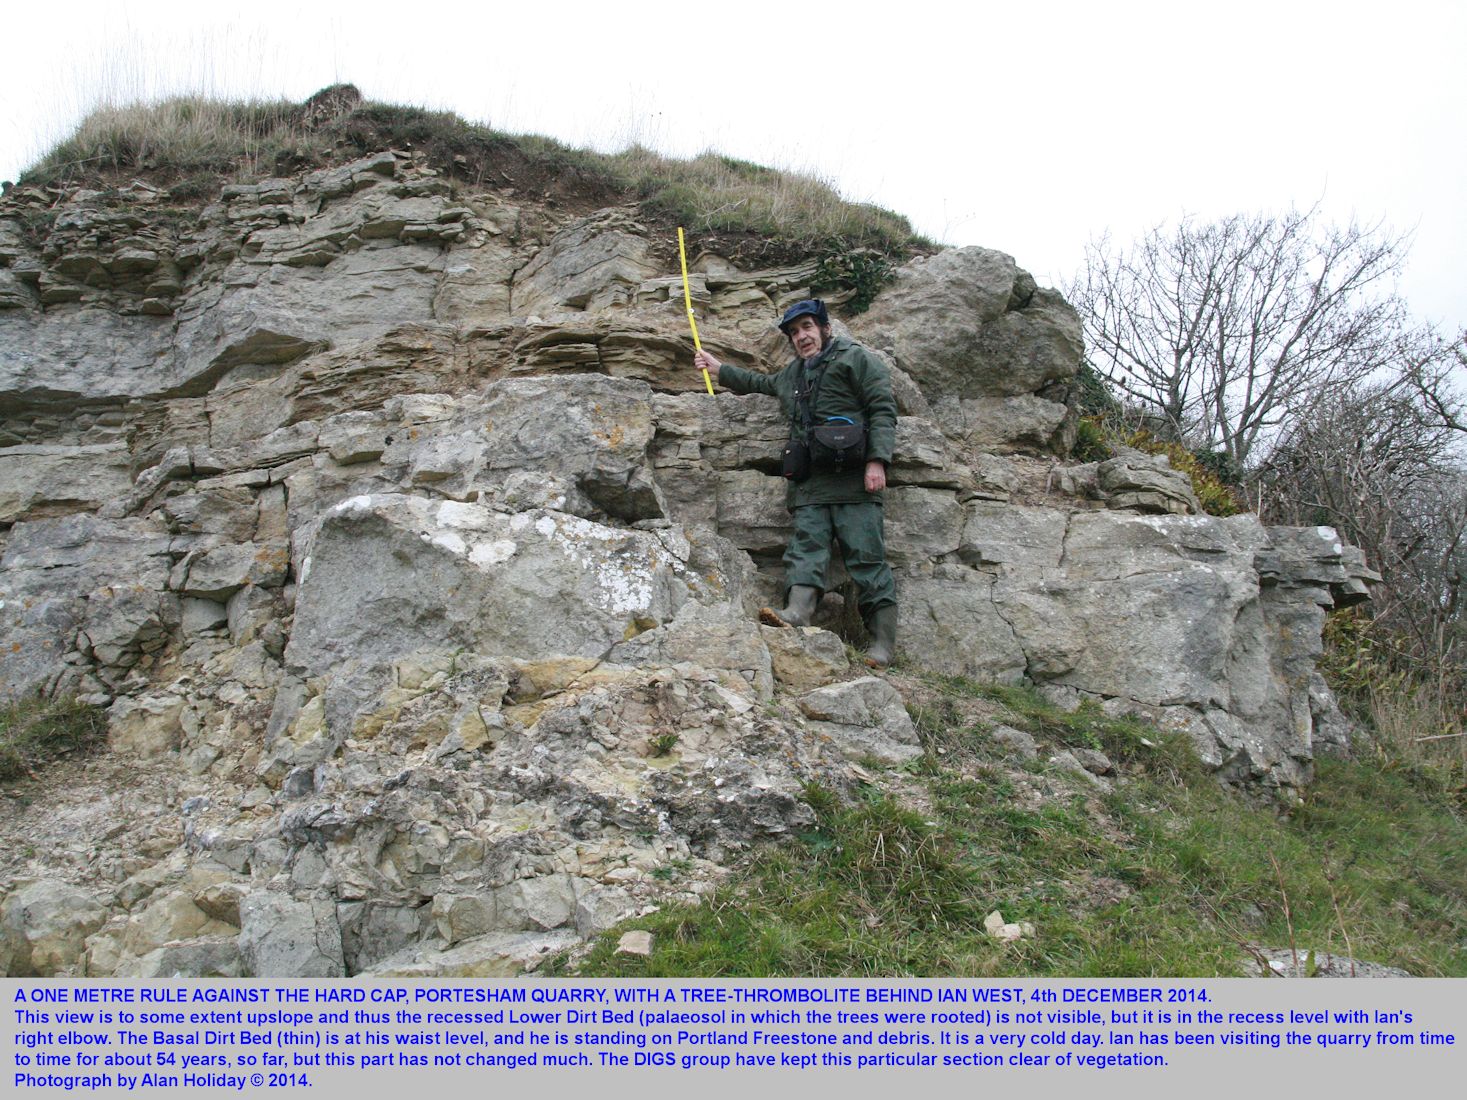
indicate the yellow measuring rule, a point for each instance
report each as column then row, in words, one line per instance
column 682, row 255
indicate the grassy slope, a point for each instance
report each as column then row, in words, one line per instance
column 193, row 145
column 1168, row 874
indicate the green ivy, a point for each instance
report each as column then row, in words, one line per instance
column 865, row 270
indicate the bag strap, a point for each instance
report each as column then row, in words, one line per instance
column 807, row 393
column 805, row 396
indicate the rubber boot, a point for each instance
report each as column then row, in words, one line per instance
column 883, row 628
column 802, row 599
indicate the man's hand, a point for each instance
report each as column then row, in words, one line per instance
column 703, row 361
column 875, row 476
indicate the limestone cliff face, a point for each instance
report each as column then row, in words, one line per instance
column 396, row 532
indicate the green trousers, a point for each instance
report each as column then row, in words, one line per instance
column 863, row 549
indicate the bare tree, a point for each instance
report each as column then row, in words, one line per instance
column 1380, row 462
column 1430, row 373
column 1229, row 330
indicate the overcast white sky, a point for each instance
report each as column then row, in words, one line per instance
column 1029, row 128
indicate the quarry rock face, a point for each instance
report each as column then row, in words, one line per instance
column 418, row 574
column 989, row 349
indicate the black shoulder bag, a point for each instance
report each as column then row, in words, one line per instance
column 837, row 445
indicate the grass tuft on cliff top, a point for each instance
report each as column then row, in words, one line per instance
column 196, row 144
column 1169, row 874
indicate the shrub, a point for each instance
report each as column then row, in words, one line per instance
column 1217, row 498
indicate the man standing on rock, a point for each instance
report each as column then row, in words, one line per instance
column 842, row 416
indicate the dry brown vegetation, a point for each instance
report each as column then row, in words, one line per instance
column 197, row 144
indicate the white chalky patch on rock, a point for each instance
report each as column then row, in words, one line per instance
column 447, row 540
column 354, row 505
column 453, row 513
column 625, row 586
column 492, row 553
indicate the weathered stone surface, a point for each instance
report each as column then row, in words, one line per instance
column 596, row 439
column 1018, row 422
column 283, row 938
column 1315, row 557
column 39, row 480
column 475, row 288
column 1120, row 574
column 536, row 904
column 967, row 288
column 203, row 957
column 220, row 572
column 949, row 623
column 83, row 351
column 1333, row 733
column 995, row 477
column 531, row 584
column 464, row 916
column 500, row 955
column 375, row 930
column 146, row 725
column 44, row 926
column 80, row 583
column 1035, row 342
column 591, row 264
column 601, row 907
column 924, row 457
column 225, row 515
column 866, row 718
column 717, row 636
column 1052, row 640
column 805, row 658
column 1147, row 483
column 636, row 942
column 1013, row 539
column 168, row 916
column 921, row 524
column 751, row 511
column 968, row 324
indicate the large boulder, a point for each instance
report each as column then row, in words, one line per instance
column 991, row 351
column 384, row 576
column 1232, row 613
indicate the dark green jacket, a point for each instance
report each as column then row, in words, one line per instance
column 855, row 384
